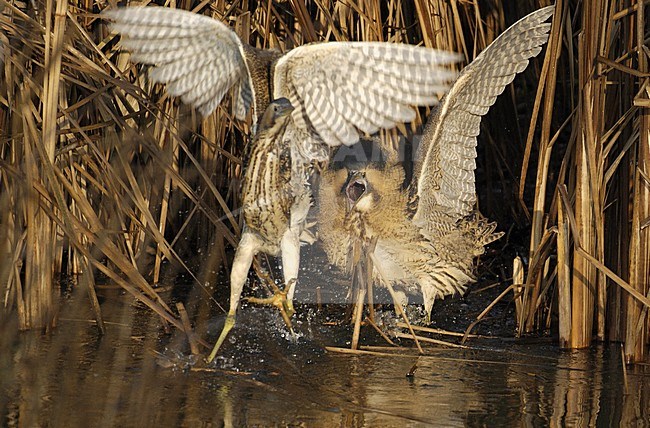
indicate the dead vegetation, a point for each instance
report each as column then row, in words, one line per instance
column 104, row 176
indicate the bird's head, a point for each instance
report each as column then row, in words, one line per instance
column 355, row 170
column 361, row 193
column 276, row 114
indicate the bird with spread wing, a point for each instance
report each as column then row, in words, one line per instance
column 427, row 232
column 336, row 91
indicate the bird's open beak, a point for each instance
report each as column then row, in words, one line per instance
column 356, row 187
column 284, row 107
column 287, row 110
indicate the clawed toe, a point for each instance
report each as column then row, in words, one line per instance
column 279, row 300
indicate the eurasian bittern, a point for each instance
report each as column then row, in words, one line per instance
column 336, row 89
column 269, row 199
column 428, row 232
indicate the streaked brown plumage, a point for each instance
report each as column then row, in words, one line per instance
column 428, row 232
column 336, row 89
column 432, row 263
column 268, row 201
column 266, row 188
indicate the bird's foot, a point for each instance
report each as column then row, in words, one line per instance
column 289, row 307
column 228, row 325
column 280, row 301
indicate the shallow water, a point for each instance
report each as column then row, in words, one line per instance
column 138, row 376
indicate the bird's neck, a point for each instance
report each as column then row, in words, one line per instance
column 261, row 63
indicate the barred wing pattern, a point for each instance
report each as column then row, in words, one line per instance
column 198, row 58
column 337, row 88
column 340, row 87
column 446, row 156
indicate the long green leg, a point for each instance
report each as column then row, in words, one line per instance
column 248, row 246
column 229, row 324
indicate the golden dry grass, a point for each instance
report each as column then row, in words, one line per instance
column 102, row 174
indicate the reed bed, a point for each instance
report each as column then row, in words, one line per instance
column 589, row 231
column 105, row 178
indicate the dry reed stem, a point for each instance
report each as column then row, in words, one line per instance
column 187, row 326
column 430, row 340
column 388, row 348
column 444, row 332
column 430, row 357
column 588, row 206
column 396, row 304
column 638, row 322
column 64, row 90
column 358, row 314
column 378, row 330
column 626, row 384
column 564, row 271
column 369, row 269
column 518, row 278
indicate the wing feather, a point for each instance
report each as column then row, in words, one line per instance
column 316, row 117
column 375, row 108
column 244, row 100
column 341, row 87
column 445, row 162
column 197, row 57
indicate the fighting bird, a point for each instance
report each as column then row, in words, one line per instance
column 269, row 197
column 336, row 89
column 427, row 231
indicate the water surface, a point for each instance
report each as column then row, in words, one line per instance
column 137, row 375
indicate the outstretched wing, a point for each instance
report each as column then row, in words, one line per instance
column 339, row 88
column 444, row 170
column 198, row 58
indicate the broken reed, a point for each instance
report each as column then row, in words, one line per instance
column 101, row 173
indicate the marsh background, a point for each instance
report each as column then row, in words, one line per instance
column 108, row 186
